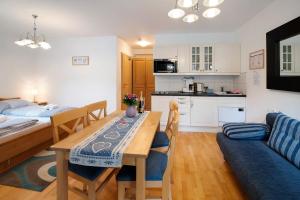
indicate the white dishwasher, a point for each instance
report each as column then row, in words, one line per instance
column 231, row 114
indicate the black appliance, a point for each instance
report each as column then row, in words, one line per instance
column 165, row 66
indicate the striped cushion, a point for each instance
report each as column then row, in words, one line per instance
column 285, row 138
column 252, row 131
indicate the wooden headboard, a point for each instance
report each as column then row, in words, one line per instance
column 2, row 99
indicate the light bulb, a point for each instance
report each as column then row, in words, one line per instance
column 211, row 12
column 187, row 3
column 212, row 3
column 176, row 13
column 190, row 18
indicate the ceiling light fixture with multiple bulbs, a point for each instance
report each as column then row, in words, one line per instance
column 33, row 41
column 191, row 17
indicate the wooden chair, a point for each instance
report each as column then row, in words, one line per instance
column 69, row 122
column 89, row 176
column 162, row 138
column 95, row 110
column 158, row 170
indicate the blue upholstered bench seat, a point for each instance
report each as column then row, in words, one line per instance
column 161, row 139
column 87, row 172
column 156, row 165
column 263, row 173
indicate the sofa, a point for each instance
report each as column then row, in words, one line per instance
column 262, row 173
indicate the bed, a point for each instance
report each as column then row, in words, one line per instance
column 21, row 143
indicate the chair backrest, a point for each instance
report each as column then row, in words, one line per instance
column 69, row 122
column 173, row 119
column 95, row 111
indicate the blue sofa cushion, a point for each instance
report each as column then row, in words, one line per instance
column 262, row 173
column 156, row 165
column 250, row 131
column 270, row 119
column 285, row 138
column 87, row 172
column 161, row 139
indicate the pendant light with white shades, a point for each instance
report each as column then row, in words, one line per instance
column 211, row 12
column 194, row 6
column 187, row 3
column 176, row 12
column 212, row 3
column 34, row 41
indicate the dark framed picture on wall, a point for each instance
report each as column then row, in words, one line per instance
column 80, row 60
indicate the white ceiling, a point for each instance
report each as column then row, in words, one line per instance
column 129, row 19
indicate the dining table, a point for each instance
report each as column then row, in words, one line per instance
column 135, row 153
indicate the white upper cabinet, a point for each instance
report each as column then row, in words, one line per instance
column 167, row 52
column 184, row 59
column 196, row 55
column 211, row 59
column 227, row 58
column 202, row 58
column 208, row 58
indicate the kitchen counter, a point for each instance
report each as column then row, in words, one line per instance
column 198, row 94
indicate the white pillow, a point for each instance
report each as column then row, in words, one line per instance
column 17, row 103
column 3, row 118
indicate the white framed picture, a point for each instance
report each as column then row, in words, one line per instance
column 257, row 60
column 80, row 60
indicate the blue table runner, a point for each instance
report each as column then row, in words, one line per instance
column 106, row 146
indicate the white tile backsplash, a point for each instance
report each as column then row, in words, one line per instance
column 176, row 83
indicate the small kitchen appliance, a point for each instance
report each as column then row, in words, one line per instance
column 188, row 84
column 165, row 66
column 200, row 87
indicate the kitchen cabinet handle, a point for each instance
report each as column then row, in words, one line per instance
column 182, row 113
column 181, row 98
column 192, row 104
column 182, row 103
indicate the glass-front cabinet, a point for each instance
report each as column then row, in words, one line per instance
column 286, row 55
column 208, row 59
column 196, row 54
column 201, row 58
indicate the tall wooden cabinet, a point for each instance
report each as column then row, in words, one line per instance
column 143, row 79
column 126, row 77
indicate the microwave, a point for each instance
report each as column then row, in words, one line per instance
column 165, row 66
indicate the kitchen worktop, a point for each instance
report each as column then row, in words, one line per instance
column 200, row 94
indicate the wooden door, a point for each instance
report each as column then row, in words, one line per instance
column 143, row 78
column 139, row 73
column 126, row 77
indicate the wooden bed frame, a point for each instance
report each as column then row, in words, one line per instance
column 16, row 151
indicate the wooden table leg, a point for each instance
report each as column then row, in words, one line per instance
column 140, row 178
column 62, row 176
column 158, row 127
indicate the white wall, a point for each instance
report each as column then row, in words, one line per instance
column 253, row 37
column 61, row 83
column 17, row 66
column 174, row 39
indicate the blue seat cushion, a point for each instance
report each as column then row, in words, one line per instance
column 161, row 139
column 246, row 131
column 263, row 173
column 156, row 165
column 87, row 172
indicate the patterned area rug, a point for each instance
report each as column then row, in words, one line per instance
column 35, row 173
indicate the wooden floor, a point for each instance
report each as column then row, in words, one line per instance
column 200, row 173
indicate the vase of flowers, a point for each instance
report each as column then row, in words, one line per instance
column 131, row 101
